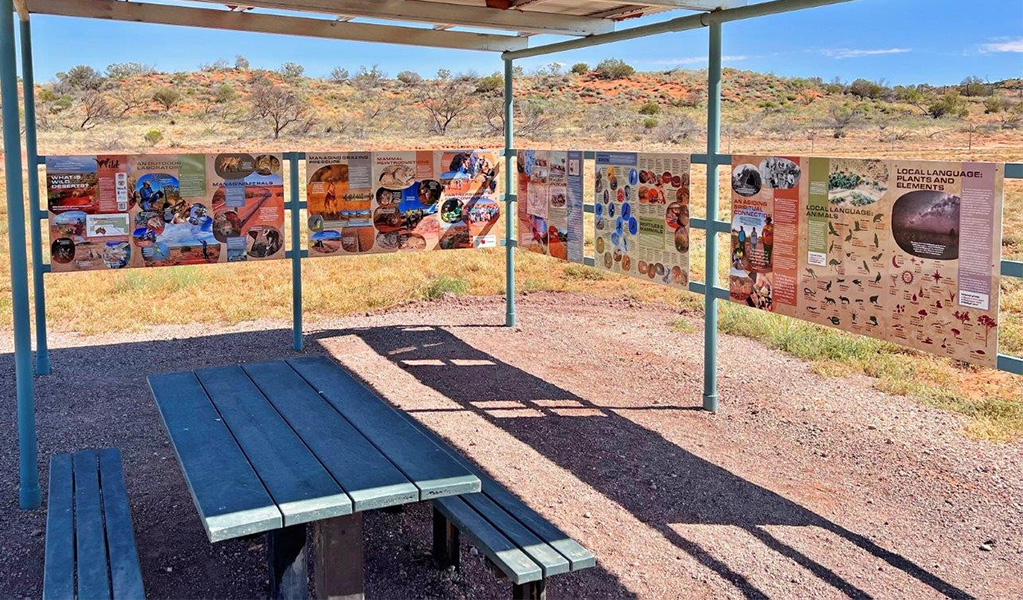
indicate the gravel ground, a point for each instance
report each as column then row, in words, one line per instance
column 802, row 486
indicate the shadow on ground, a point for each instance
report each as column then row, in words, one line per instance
column 97, row 396
column 607, row 447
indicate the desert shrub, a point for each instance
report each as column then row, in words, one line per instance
column 241, row 63
column 128, row 69
column 218, row 65
column 614, row 68
column 369, row 79
column 650, row 108
column 676, row 129
column 291, row 71
column 224, row 93
column 870, row 90
column 79, row 78
column 409, row 78
column 167, row 97
column 995, row 104
column 489, row 84
column 974, row 86
column 153, row 137
column 338, row 75
column 950, row 105
column 649, row 123
column 580, row 68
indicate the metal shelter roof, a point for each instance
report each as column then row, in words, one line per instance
column 506, row 24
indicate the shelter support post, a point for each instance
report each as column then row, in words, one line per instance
column 510, row 207
column 32, row 156
column 27, row 451
column 296, row 251
column 710, row 332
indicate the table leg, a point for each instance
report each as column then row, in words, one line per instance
column 534, row 590
column 445, row 541
column 289, row 567
column 340, row 566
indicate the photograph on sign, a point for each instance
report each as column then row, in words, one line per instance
column 376, row 202
column 550, row 203
column 118, row 211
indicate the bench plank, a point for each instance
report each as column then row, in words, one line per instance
column 303, row 490
column 364, row 473
column 578, row 556
column 498, row 548
column 426, row 464
column 542, row 554
column 228, row 494
column 59, row 576
column 90, row 539
column 125, row 572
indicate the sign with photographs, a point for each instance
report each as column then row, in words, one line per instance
column 641, row 216
column 119, row 211
column 372, row 202
column 550, row 199
column 903, row 251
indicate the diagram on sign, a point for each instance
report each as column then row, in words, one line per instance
column 904, row 251
column 641, row 216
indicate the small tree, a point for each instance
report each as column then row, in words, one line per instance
column 447, row 99
column 278, row 108
column 241, row 63
column 130, row 97
column 580, row 68
column 614, row 68
column 973, row 86
column 410, row 78
column 94, row 109
column 167, row 97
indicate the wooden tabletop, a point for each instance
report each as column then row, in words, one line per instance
column 268, row 445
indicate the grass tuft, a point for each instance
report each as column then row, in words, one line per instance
column 445, row 285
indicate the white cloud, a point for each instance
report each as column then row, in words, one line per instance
column 858, row 52
column 1015, row 45
column 691, row 60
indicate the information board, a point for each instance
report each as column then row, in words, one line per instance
column 641, row 215
column 119, row 211
column 372, row 202
column 903, row 251
column 550, row 203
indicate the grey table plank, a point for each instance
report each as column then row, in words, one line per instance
column 90, row 539
column 425, row 463
column 300, row 486
column 125, row 572
column 363, row 472
column 228, row 494
column 542, row 553
column 494, row 545
column 59, row 576
column 577, row 555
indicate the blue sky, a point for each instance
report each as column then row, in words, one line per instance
column 902, row 41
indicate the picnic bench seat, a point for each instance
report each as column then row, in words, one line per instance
column 90, row 540
column 518, row 541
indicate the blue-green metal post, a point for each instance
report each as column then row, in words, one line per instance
column 27, row 452
column 32, row 156
column 710, row 332
column 296, row 253
column 510, row 190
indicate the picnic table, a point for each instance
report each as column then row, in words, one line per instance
column 274, row 446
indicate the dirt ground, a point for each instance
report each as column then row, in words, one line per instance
column 801, row 487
